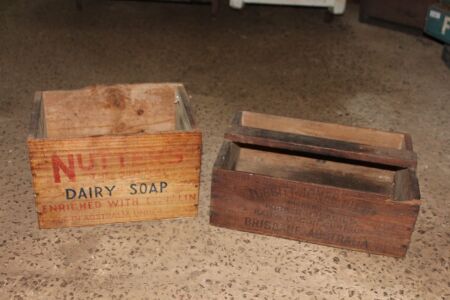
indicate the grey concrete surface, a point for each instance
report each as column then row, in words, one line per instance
column 277, row 60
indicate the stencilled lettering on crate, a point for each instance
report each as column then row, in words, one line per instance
column 134, row 156
column 98, row 163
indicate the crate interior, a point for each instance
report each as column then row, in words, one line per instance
column 113, row 110
column 306, row 167
column 358, row 135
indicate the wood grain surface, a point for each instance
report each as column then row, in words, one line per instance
column 271, row 182
column 105, row 110
column 314, row 213
column 81, row 178
column 368, row 145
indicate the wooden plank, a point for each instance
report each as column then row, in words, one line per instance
column 227, row 156
column 35, row 128
column 310, row 212
column 322, row 146
column 108, row 179
column 305, row 169
column 408, row 145
column 356, row 135
column 362, row 144
column 105, row 110
column 185, row 109
column 406, row 185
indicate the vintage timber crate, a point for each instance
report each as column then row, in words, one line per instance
column 107, row 154
column 329, row 184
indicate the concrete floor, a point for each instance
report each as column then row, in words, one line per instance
column 269, row 59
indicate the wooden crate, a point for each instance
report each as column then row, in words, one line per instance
column 107, row 154
column 323, row 183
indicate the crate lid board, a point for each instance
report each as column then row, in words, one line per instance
column 360, row 144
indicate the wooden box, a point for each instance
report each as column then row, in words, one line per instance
column 107, row 154
column 329, row 184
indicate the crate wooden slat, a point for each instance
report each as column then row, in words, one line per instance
column 362, row 144
column 344, row 199
column 108, row 154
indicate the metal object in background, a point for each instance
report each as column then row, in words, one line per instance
column 438, row 26
column 336, row 7
column 438, row 22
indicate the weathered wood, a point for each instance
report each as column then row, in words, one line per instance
column 314, row 213
column 307, row 137
column 288, row 180
column 408, row 142
column 227, row 157
column 187, row 121
column 89, row 180
column 35, row 129
column 357, row 135
column 105, row 110
column 300, row 168
column 406, row 185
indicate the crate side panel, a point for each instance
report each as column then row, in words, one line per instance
column 314, row 213
column 101, row 180
column 104, row 110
